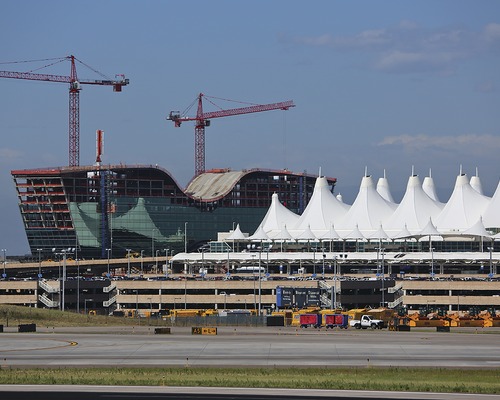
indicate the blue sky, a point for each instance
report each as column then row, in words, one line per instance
column 377, row 84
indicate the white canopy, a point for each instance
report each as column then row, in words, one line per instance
column 429, row 187
column 237, row 234
column 368, row 210
column 277, row 215
column 259, row 235
column 322, row 210
column 384, row 190
column 415, row 209
column 463, row 209
column 491, row 216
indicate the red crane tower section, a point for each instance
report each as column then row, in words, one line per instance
column 202, row 120
column 74, row 99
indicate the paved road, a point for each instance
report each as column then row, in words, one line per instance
column 250, row 347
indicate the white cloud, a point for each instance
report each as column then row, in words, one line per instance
column 470, row 143
column 410, row 48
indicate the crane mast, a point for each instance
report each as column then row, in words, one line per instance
column 74, row 99
column 202, row 120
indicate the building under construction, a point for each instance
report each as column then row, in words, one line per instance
column 109, row 211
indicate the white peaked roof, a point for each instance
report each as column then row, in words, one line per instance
column 339, row 198
column 475, row 182
column 259, row 235
column 306, row 234
column 283, row 234
column 429, row 187
column 477, row 229
column 331, row 234
column 384, row 190
column 464, row 207
column 402, row 234
column 368, row 210
column 277, row 216
column 491, row 216
column 355, row 234
column 237, row 234
column 322, row 210
column 415, row 209
column 379, row 234
column 429, row 232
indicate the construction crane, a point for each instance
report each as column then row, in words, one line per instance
column 202, row 120
column 74, row 98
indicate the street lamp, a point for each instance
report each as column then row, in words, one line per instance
column 490, row 275
column 39, row 263
column 108, row 251
column 324, row 256
column 432, row 262
column 166, row 262
column 185, row 237
column 156, row 261
column 64, row 253
column 142, row 262
column 86, row 304
column 136, row 303
column 128, row 262
column 334, row 302
column 4, row 275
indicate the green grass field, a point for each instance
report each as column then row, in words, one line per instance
column 393, row 379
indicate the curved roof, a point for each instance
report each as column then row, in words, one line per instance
column 384, row 190
column 277, row 217
column 491, row 215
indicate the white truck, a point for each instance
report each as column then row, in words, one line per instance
column 366, row 321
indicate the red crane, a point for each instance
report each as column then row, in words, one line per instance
column 203, row 119
column 74, row 98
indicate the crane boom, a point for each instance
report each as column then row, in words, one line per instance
column 203, row 119
column 74, row 99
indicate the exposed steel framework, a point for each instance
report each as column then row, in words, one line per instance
column 202, row 120
column 74, row 99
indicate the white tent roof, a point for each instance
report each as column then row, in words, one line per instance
column 237, row 234
column 259, row 235
column 277, row 216
column 368, row 211
column 355, row 234
column 475, row 182
column 463, row 209
column 384, row 190
column 415, row 209
column 402, row 234
column 477, row 229
column 323, row 209
column 306, row 234
column 283, row 234
column 331, row 234
column 491, row 216
column 379, row 234
column 429, row 230
column 429, row 187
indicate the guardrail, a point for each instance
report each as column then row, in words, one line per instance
column 48, row 288
column 48, row 302
column 109, row 302
column 109, row 288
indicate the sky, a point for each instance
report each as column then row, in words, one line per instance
column 382, row 85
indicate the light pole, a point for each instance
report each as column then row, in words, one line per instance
column 324, row 256
column 136, row 303
column 166, row 262
column 176, row 298
column 334, row 302
column 142, row 262
column 4, row 275
column 490, row 275
column 383, row 278
column 185, row 237
column 156, row 261
column 153, row 242
column 39, row 263
column 260, row 281
column 128, row 262
column 86, row 304
column 108, row 251
column 432, row 262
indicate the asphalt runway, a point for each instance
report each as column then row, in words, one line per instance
column 90, row 347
